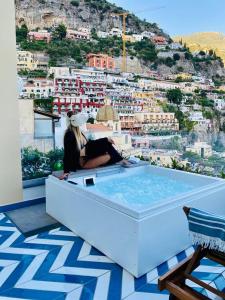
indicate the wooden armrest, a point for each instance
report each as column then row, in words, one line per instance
column 186, row 210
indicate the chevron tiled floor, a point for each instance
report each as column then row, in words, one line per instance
column 60, row 265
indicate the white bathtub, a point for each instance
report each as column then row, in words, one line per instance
column 137, row 238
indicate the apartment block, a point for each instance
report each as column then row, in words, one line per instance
column 157, row 121
column 41, row 35
column 101, row 61
column 78, row 93
column 38, row 89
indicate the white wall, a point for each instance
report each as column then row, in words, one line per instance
column 10, row 165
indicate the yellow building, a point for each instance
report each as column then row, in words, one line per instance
column 108, row 116
column 129, row 38
column 184, row 76
column 157, row 121
column 26, row 61
column 143, row 95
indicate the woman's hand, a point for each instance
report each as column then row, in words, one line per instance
column 111, row 141
column 64, row 176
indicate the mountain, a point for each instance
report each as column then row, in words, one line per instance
column 97, row 14
column 205, row 41
column 101, row 15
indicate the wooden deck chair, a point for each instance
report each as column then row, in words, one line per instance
column 175, row 280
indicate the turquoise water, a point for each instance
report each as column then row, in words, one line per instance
column 140, row 189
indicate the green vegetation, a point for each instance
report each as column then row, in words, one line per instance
column 145, row 50
column 184, row 123
column 44, row 104
column 60, row 48
column 21, row 33
column 176, row 57
column 191, row 156
column 34, row 45
column 59, row 33
column 175, row 96
column 36, row 164
column 205, row 102
column 33, row 74
column 208, row 114
column 75, row 3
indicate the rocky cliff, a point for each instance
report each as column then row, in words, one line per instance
column 98, row 14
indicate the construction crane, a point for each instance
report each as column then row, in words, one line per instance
column 124, row 62
column 124, row 15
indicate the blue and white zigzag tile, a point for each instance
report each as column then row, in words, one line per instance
column 60, row 265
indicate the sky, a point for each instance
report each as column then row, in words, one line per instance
column 179, row 17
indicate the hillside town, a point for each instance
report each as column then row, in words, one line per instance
column 173, row 119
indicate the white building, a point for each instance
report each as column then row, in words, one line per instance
column 160, row 47
column 157, row 85
column 137, row 37
column 161, row 157
column 38, row 89
column 102, row 34
column 165, row 54
column 116, row 32
column 77, row 35
column 197, row 116
column 219, row 104
column 147, row 34
column 89, row 74
column 175, row 46
column 59, row 71
column 201, row 148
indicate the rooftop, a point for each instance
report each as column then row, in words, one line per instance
column 98, row 127
column 60, row 265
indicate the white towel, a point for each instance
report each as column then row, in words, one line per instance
column 134, row 160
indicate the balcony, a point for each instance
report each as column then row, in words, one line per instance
column 56, row 263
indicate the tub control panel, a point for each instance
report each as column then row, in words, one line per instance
column 88, row 181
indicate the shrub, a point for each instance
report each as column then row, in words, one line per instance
column 75, row 3
column 176, row 56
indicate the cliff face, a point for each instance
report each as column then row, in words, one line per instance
column 96, row 14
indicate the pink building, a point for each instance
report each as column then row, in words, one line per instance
column 100, row 61
column 159, row 40
column 42, row 35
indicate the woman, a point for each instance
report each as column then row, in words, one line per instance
column 79, row 153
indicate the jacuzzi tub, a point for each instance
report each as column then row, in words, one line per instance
column 137, row 225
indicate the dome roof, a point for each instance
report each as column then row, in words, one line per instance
column 107, row 113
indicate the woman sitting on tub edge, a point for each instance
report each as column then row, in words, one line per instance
column 81, row 153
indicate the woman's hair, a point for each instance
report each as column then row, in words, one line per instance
column 76, row 130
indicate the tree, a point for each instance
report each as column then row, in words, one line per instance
column 21, row 33
column 75, row 3
column 169, row 62
column 44, row 104
column 211, row 52
column 202, row 53
column 59, row 33
column 176, row 57
column 175, row 96
column 188, row 55
column 189, row 125
column 191, row 156
column 178, row 79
